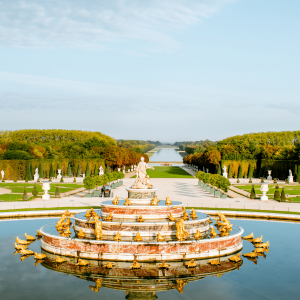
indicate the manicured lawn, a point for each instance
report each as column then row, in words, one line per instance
column 167, row 172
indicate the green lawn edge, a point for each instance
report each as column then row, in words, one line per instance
column 190, row 207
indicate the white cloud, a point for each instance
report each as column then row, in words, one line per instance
column 93, row 23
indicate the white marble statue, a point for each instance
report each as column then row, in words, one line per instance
column 2, row 174
column 291, row 177
column 36, row 175
column 101, row 171
column 269, row 175
column 59, row 174
column 225, row 174
column 141, row 182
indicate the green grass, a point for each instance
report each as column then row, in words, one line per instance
column 167, row 172
column 51, row 208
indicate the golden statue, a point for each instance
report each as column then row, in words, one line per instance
column 59, row 260
column 180, row 283
column 185, row 216
column 82, row 263
column 154, row 201
column 20, row 247
column 38, row 261
column 251, row 255
column 22, row 242
column 87, row 215
column 235, row 258
column 160, row 238
column 116, row 201
column 117, row 238
column 171, row 218
column 80, row 234
column 98, row 230
column 262, row 245
column 68, row 231
column 181, row 233
column 109, row 265
column 193, row 214
column 26, row 252
column 59, row 223
column 138, row 238
column 257, row 240
column 209, row 221
column 197, row 235
column 29, row 238
column 248, row 237
column 214, row 262
column 140, row 219
column 135, row 265
column 98, row 285
column 39, row 256
column 38, row 234
column 127, row 202
column 213, row 233
column 164, row 266
column 109, row 218
column 168, row 201
column 191, row 264
column 261, row 250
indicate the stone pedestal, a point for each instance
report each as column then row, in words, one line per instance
column 46, row 188
column 141, row 196
column 36, row 177
column 225, row 174
column 291, row 179
column 59, row 174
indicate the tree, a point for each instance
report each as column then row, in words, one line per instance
column 69, row 172
column 229, row 172
column 252, row 194
column 31, row 171
column 295, row 173
column 240, row 172
column 298, row 173
column 282, row 196
column 219, row 170
column 87, row 171
column 35, row 191
column 28, row 174
column 98, row 181
column 89, row 182
column 57, row 194
column 16, row 154
column 250, row 172
column 78, row 171
column 96, row 171
column 25, row 196
column 51, row 172
column 107, row 169
column 41, row 173
column 276, row 193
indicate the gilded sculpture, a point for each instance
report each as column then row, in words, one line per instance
column 251, row 255
column 26, row 252
column 171, row 218
column 138, row 237
column 87, row 215
column 29, row 238
column 39, row 256
column 164, row 265
column 212, row 233
column 181, row 233
column 140, row 219
column 257, row 240
column 116, row 201
column 117, row 237
column 235, row 258
column 160, row 238
column 135, row 266
column 20, row 247
column 59, row 260
column 248, row 237
column 191, row 264
column 80, row 234
column 193, row 214
column 98, row 230
column 109, row 218
column 127, row 202
column 154, row 201
column 81, row 263
column 38, row 234
column 22, row 242
column 197, row 235
column 215, row 262
column 168, row 201
column 109, row 265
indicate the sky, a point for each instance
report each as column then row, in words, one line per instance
column 167, row 70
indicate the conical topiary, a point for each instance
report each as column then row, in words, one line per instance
column 41, row 172
column 282, row 196
column 107, row 169
column 31, row 172
column 250, row 171
column 57, row 194
column 25, row 196
column 219, row 170
column 252, row 194
column 87, row 170
column 51, row 172
column 28, row 174
column 62, row 179
column 295, row 173
column 78, row 171
column 298, row 173
column 96, row 171
column 240, row 173
column 58, row 168
column 69, row 172
column 276, row 193
column 229, row 172
column 35, row 191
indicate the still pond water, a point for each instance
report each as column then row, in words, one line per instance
column 275, row 277
column 166, row 155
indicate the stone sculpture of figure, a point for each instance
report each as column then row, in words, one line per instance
column 98, row 230
column 224, row 169
column 290, row 173
column 141, row 181
column 36, row 174
column 101, row 171
column 2, row 174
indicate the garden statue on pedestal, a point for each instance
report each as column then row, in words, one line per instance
column 142, row 179
column 36, row 174
column 269, row 175
column 225, row 174
column 101, row 171
column 59, row 174
column 291, row 177
column 2, row 174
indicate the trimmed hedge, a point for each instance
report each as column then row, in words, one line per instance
column 214, row 179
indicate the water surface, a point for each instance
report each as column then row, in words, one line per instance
column 166, row 155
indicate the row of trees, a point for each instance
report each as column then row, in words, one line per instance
column 137, row 145
column 96, row 181
column 214, row 180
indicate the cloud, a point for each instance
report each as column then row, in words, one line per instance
column 92, row 24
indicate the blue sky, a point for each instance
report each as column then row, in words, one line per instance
column 164, row 70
